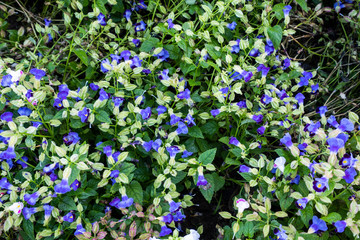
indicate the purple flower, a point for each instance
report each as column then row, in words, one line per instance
column 135, row 62
column 75, row 185
column 4, row 184
column 178, row 216
column 347, row 161
column 236, row 47
column 174, row 206
column 142, row 4
column 322, row 110
column 8, row 154
column 115, row 58
column 31, row 199
column 182, row 128
column 156, row 144
column 174, row 119
column 346, row 125
column 117, row 101
column 201, row 180
column 6, row 81
column 48, row 209
column 332, row 121
column 164, row 75
column 242, row 104
column 24, row 111
column 321, row 184
column 79, row 229
column 244, row 169
column 186, row 154
column 167, row 219
column 254, row 52
column 165, row 231
column 296, row 180
column 317, row 225
column 340, row 226
column 71, row 138
column 170, row 23
column 126, row 54
column 7, row 116
column 22, row 162
column 163, row 55
column 264, row 70
column 69, row 217
column 350, row 175
column 286, row 10
column 286, row 63
column 127, row 14
column 234, row 141
column 215, row 112
column 147, row 145
column 124, row 203
column 232, row 26
column 28, row 212
column 105, row 65
column 286, row 140
column 280, row 233
column 103, row 95
column 247, row 75
column 300, row 98
column 38, row 73
column 62, row 187
column 101, row 19
column 189, row 120
column 265, row 99
column 84, row 114
column 161, row 109
column 258, row 118
column 107, row 150
column 304, row 81
column 47, row 22
column 338, row 5
column 314, row 88
column 173, row 150
column 184, row 95
column 335, row 144
column 141, row 26
column 301, row 203
column 145, row 113
column 261, row 130
column 136, row 42
column 58, row 104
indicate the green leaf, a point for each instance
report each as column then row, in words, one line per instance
column 76, row 123
column 28, row 230
column 208, row 193
column 302, row 4
column 101, row 5
column 275, row 35
column 75, row 172
column 88, row 192
column 186, row 68
column 103, row 116
column 218, row 181
column 195, row 132
column 190, row 2
column 212, row 52
column 332, row 217
column 211, row 127
column 135, row 191
column 82, row 55
column 208, row 156
column 149, row 44
column 278, row 10
column 67, row 204
column 179, row 177
column 306, row 215
column 174, row 51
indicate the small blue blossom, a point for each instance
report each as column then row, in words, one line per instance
column 28, row 212
column 350, row 175
column 141, row 26
column 340, row 226
column 145, row 113
column 69, row 217
column 163, row 55
column 232, row 26
column 62, row 187
column 38, row 73
column 101, row 19
column 317, row 225
column 31, row 199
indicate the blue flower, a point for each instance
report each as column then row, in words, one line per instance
column 350, row 175
column 38, row 73
column 335, row 144
column 48, row 209
column 136, row 42
column 127, row 14
column 69, row 217
column 141, row 4
column 244, row 169
column 103, row 95
column 84, row 114
column 236, row 47
column 174, row 119
column 165, row 231
column 234, row 141
column 300, row 98
column 174, row 206
column 322, row 110
column 4, row 184
column 156, row 144
column 167, row 219
column 184, row 95
column 317, row 225
column 264, row 70
column 101, row 19
column 321, row 184
column 147, row 145
column 301, row 203
column 117, row 101
column 287, row 10
column 47, row 22
column 164, row 75
column 173, row 150
column 215, row 112
column 189, row 120
column 141, row 26
column 286, row 63
column 7, row 116
column 242, row 104
column 161, row 109
column 145, row 113
column 254, row 52
column 314, row 88
column 79, row 229
column 71, row 138
column 28, row 212
column 286, row 140
column 170, row 23
column 62, row 187
column 347, row 161
column 201, row 181
column 8, row 154
column 31, row 199
column 340, row 226
column 126, row 54
column 338, row 5
column 107, row 150
column 22, row 162
column 24, row 111
column 163, row 55
column 178, row 216
column 258, row 118
column 186, row 154
column 105, row 65
column 265, row 99
column 346, row 125
column 280, row 233
column 261, row 130
column 6, row 81
column 304, row 81
column 232, row 26
column 75, row 185
column 135, row 62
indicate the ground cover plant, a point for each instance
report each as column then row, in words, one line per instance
column 179, row 120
